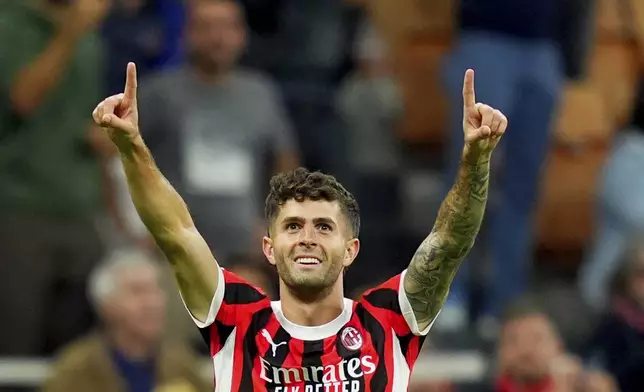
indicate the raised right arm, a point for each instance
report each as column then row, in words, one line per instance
column 168, row 220
column 160, row 207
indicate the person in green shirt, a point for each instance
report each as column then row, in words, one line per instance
column 50, row 178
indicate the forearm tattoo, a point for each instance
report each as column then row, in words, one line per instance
column 436, row 261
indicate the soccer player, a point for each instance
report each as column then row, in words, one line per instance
column 313, row 339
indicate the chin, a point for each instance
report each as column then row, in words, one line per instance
column 299, row 281
column 306, row 282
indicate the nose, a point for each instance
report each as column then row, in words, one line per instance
column 307, row 237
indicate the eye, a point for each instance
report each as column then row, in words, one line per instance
column 292, row 226
column 324, row 227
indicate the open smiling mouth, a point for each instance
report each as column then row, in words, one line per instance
column 307, row 260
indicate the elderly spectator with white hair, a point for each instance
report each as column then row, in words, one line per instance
column 128, row 351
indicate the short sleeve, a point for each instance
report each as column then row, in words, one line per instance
column 391, row 297
column 234, row 303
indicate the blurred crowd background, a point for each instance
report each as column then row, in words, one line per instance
column 550, row 300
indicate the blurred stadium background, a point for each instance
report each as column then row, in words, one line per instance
column 366, row 90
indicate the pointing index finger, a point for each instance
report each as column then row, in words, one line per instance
column 129, row 93
column 469, row 97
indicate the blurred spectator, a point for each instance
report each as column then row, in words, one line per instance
column 126, row 229
column 306, row 46
column 531, row 356
column 527, row 350
column 217, row 131
column 618, row 346
column 133, row 31
column 620, row 212
column 173, row 14
column 50, row 73
column 128, row 352
column 371, row 104
column 515, row 47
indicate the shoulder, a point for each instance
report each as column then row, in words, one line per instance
column 75, row 356
column 387, row 305
column 236, row 285
column 241, row 301
column 385, row 293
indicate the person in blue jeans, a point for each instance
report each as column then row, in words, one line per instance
column 620, row 210
column 515, row 47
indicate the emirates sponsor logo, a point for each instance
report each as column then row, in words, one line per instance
column 341, row 377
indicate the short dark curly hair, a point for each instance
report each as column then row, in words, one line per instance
column 301, row 184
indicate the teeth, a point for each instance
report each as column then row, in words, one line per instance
column 308, row 260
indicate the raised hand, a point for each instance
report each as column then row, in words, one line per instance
column 483, row 125
column 118, row 114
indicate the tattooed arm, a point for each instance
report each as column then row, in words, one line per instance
column 434, row 265
column 436, row 261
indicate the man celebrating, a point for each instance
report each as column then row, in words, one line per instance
column 313, row 339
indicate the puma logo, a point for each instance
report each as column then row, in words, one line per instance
column 269, row 339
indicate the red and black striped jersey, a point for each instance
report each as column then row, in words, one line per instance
column 371, row 346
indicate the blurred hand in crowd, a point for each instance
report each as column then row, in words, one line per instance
column 77, row 17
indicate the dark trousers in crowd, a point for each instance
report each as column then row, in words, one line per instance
column 44, row 266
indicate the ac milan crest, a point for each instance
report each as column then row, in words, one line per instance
column 351, row 338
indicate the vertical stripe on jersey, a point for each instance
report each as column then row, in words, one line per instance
column 292, row 359
column 278, row 335
column 282, row 352
column 275, row 356
column 223, row 363
column 401, row 368
column 216, row 335
column 410, row 347
column 248, row 350
column 312, row 358
column 377, row 381
column 343, row 353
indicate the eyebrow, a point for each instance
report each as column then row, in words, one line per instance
column 299, row 219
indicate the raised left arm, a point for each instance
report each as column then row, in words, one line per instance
column 436, row 261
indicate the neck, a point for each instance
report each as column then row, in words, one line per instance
column 132, row 346
column 312, row 310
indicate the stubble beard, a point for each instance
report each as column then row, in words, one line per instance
column 311, row 284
